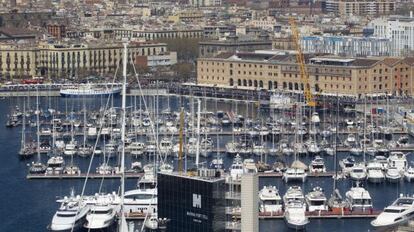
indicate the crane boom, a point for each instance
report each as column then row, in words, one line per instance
column 304, row 76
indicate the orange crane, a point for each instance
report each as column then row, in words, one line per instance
column 304, row 76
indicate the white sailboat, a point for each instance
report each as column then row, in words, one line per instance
column 37, row 167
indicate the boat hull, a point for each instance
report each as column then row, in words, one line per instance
column 296, row 226
column 65, row 93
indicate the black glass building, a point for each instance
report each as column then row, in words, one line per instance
column 192, row 203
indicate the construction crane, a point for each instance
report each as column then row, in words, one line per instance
column 304, row 76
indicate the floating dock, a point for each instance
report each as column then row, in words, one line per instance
column 345, row 214
column 328, row 214
column 83, row 176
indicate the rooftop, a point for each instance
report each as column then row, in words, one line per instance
column 194, row 176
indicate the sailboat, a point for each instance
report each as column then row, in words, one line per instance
column 297, row 170
column 85, row 150
column 37, row 167
column 336, row 203
column 55, row 163
column 122, row 225
column 26, row 149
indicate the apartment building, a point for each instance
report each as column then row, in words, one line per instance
column 399, row 30
column 360, row 7
column 64, row 59
column 329, row 75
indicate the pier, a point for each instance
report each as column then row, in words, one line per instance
column 128, row 175
column 346, row 214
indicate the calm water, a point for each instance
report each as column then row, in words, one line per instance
column 30, row 205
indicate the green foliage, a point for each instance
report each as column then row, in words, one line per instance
column 186, row 48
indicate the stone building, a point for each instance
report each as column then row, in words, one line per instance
column 329, row 75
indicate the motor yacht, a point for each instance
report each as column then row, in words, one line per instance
column 358, row 198
column 398, row 160
column 347, row 164
column 393, row 174
column 71, row 170
column 358, row 172
column 166, row 146
column 101, row 215
column 141, row 200
column 317, row 165
column 70, row 215
column 105, row 169
column 270, row 200
column 399, row 212
column 136, row 148
column 313, row 147
column 70, row 148
column 356, row 151
column 295, row 208
column 236, row 168
column 350, row 140
column 55, row 164
column 316, row 200
column 37, row 168
column 294, row 174
column 152, row 222
column 249, row 166
column 374, row 172
column 409, row 174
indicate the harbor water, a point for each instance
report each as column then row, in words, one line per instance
column 29, row 205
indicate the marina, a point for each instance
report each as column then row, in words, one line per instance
column 221, row 136
column 309, row 163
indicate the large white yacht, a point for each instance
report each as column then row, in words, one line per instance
column 359, row 198
column 89, row 90
column 141, row 200
column 102, row 214
column 400, row 211
column 70, row 215
column 295, row 208
column 316, row 200
column 270, row 200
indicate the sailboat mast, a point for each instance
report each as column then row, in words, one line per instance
column 24, row 125
column 198, row 132
column 123, row 111
column 38, row 124
column 180, row 151
column 336, row 143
